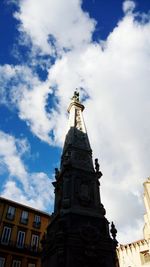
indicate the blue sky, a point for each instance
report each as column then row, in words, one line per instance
column 101, row 47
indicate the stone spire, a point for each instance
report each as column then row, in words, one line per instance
column 78, row 234
column 77, row 147
column 77, row 179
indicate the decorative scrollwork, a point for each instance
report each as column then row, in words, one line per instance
column 89, row 233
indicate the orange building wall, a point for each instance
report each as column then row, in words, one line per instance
column 10, row 251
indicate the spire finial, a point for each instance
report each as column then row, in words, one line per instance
column 76, row 96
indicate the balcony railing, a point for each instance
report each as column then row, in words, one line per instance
column 36, row 224
column 25, row 248
column 24, row 220
column 10, row 216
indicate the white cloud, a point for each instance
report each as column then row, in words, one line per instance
column 21, row 88
column 128, row 6
column 32, row 108
column 115, row 76
column 116, row 79
column 64, row 21
column 34, row 189
column 9, row 157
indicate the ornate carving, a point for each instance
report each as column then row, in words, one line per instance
column 84, row 194
column 67, row 158
column 97, row 165
column 91, row 253
column 78, row 123
column 82, row 159
column 83, row 190
column 66, row 187
column 48, row 240
column 97, row 169
column 113, row 231
column 58, row 194
column 56, row 173
column 79, row 134
column 89, row 233
column 102, row 209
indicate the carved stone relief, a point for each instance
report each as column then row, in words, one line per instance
column 82, row 159
column 89, row 233
column 83, row 191
column 78, row 123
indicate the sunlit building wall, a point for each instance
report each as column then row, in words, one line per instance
column 21, row 230
column 137, row 254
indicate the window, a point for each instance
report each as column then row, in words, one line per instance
column 37, row 221
column 34, row 242
column 145, row 257
column 6, row 235
column 20, row 239
column 2, row 262
column 24, row 217
column 10, row 213
column 16, row 263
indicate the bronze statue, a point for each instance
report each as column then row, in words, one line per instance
column 76, row 96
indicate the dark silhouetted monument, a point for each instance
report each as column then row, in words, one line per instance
column 78, row 235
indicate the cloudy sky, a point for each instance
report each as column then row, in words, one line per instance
column 47, row 49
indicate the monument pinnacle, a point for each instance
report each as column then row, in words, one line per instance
column 78, row 234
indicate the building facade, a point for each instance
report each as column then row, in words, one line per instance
column 146, row 230
column 21, row 229
column 137, row 254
